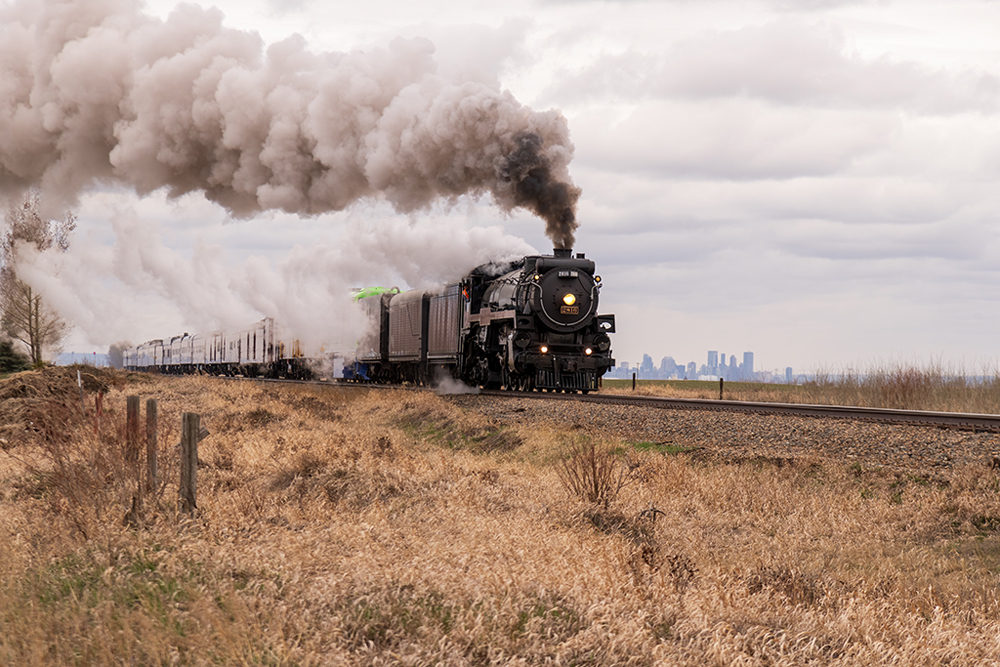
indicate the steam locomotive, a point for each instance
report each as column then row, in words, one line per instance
column 529, row 324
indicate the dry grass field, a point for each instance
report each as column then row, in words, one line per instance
column 353, row 527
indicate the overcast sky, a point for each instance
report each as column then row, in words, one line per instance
column 811, row 180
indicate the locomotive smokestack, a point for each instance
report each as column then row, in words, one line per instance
column 562, row 252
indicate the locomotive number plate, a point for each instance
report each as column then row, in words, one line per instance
column 569, row 310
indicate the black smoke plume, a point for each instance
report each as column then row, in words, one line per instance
column 536, row 188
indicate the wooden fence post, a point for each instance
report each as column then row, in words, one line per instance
column 721, row 381
column 98, row 412
column 132, row 429
column 152, row 475
column 190, row 427
column 79, row 383
column 633, row 381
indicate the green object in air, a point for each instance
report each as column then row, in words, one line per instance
column 366, row 292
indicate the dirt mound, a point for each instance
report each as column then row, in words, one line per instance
column 42, row 402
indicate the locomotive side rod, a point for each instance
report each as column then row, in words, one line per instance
column 956, row 420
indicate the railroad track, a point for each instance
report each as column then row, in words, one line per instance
column 954, row 420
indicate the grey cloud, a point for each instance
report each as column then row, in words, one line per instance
column 285, row 6
column 832, row 240
column 474, row 51
column 735, row 139
column 789, row 62
column 858, row 200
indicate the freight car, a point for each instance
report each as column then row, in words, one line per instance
column 529, row 324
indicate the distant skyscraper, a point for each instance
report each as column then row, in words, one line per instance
column 647, row 365
column 788, row 375
column 748, row 365
column 713, row 360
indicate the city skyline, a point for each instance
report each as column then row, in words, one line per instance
column 715, row 367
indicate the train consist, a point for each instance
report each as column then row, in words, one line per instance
column 259, row 350
column 530, row 324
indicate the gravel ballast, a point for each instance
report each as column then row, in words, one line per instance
column 740, row 436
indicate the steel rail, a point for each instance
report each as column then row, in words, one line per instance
column 956, row 420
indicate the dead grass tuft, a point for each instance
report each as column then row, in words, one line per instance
column 592, row 473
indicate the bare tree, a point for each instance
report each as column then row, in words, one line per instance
column 26, row 317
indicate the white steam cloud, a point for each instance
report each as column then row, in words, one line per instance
column 95, row 91
column 140, row 286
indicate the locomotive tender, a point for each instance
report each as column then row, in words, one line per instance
column 529, row 324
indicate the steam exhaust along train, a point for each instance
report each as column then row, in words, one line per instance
column 530, row 324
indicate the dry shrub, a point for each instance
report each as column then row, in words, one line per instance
column 38, row 405
column 592, row 473
column 87, row 474
column 908, row 386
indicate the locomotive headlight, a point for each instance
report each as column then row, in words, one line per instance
column 544, row 349
column 588, row 352
column 569, row 299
